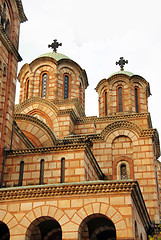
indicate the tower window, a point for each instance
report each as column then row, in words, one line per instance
column 105, row 103
column 123, row 171
column 44, row 85
column 62, row 177
column 21, row 173
column 66, row 86
column 80, row 93
column 120, row 102
column 27, row 88
column 136, row 100
column 42, row 162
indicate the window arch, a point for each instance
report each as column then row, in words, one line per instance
column 66, row 86
column 41, row 180
column 27, row 88
column 62, row 177
column 136, row 99
column 21, row 173
column 124, row 170
column 105, row 103
column 120, row 99
column 44, row 83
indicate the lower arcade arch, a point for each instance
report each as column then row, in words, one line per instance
column 4, row 231
column 97, row 227
column 44, row 228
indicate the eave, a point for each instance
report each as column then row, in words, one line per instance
column 8, row 44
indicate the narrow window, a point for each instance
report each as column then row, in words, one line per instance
column 136, row 100
column 27, row 88
column 41, row 171
column 8, row 27
column 123, row 171
column 80, row 93
column 21, row 173
column 62, row 177
column 66, row 86
column 120, row 102
column 44, row 85
column 105, row 102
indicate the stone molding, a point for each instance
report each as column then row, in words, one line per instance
column 38, row 122
column 112, row 118
column 94, row 163
column 65, row 144
column 42, row 191
column 20, row 107
column 22, row 136
column 8, row 44
column 21, row 12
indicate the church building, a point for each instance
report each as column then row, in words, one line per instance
column 66, row 176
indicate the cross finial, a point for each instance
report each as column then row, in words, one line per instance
column 122, row 62
column 55, row 45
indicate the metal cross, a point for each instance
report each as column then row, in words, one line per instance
column 122, row 62
column 55, row 45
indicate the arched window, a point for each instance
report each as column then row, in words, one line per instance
column 8, row 27
column 62, row 177
column 123, row 171
column 105, row 103
column 44, row 85
column 136, row 100
column 80, row 93
column 27, row 88
column 120, row 100
column 42, row 162
column 66, row 86
column 21, row 173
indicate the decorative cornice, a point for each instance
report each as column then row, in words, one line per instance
column 20, row 107
column 120, row 125
column 86, row 188
column 21, row 12
column 112, row 118
column 38, row 122
column 59, row 145
column 22, row 136
column 67, row 189
column 8, row 44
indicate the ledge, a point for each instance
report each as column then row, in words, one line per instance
column 82, row 188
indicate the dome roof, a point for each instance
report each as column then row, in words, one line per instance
column 130, row 74
column 55, row 55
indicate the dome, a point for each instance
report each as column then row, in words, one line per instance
column 55, row 55
column 130, row 74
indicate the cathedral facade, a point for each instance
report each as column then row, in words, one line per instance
column 68, row 176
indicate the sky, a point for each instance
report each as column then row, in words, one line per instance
column 95, row 34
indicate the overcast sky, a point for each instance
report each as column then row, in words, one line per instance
column 95, row 34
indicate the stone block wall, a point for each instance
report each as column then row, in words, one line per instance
column 78, row 168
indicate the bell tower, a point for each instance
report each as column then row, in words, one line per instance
column 123, row 93
column 11, row 15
